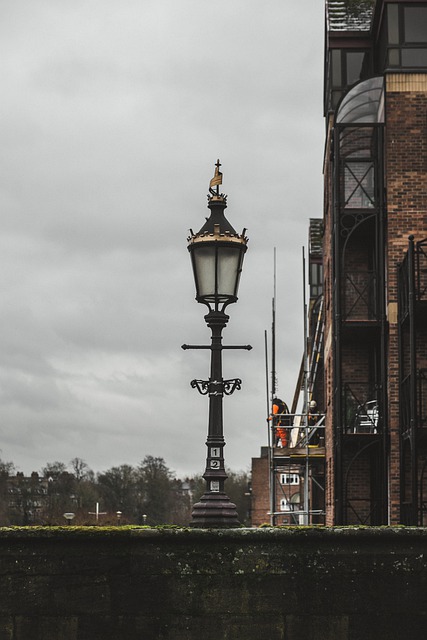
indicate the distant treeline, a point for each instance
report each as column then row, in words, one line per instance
column 148, row 494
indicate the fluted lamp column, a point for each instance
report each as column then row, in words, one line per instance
column 217, row 253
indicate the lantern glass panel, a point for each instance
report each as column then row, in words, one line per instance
column 228, row 270
column 204, row 266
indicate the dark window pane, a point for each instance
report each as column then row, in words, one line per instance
column 393, row 24
column 336, row 68
column 393, row 58
column 415, row 24
column 336, row 97
column 414, row 57
column 354, row 66
column 316, row 279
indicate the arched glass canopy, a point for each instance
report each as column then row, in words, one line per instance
column 364, row 103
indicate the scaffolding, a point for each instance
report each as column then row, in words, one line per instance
column 297, row 465
column 297, row 469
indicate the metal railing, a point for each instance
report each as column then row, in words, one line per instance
column 421, row 270
column 360, row 299
column 360, row 409
column 299, row 430
column 403, row 287
column 422, row 397
column 412, row 269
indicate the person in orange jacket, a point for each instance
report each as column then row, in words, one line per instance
column 280, row 419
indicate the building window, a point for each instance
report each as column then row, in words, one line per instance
column 393, row 23
column 415, row 24
column 414, row 57
column 345, row 68
column 359, row 185
column 348, row 68
column 291, row 504
column 354, row 66
column 284, row 505
column 405, row 35
column 336, row 68
column 316, row 279
column 289, row 478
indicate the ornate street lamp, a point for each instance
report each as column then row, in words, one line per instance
column 217, row 253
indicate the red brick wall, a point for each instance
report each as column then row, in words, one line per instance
column 406, row 189
column 406, row 203
column 260, row 498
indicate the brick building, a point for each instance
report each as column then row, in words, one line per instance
column 368, row 365
column 24, row 499
column 375, row 262
column 282, row 504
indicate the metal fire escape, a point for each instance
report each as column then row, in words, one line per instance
column 359, row 384
column 412, row 317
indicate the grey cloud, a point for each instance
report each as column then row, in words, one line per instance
column 113, row 115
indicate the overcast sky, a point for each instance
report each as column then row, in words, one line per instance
column 112, row 117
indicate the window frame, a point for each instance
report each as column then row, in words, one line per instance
column 295, row 479
column 397, row 49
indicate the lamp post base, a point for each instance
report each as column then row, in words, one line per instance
column 214, row 511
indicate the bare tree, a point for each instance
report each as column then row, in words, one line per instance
column 157, row 487
column 119, row 489
column 81, row 470
column 53, row 469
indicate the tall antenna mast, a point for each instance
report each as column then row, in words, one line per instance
column 273, row 334
column 305, row 311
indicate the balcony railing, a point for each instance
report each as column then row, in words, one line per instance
column 421, row 270
column 359, row 295
column 405, row 403
column 422, row 398
column 298, row 430
column 360, row 409
column 412, row 276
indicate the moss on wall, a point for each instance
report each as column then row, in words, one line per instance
column 71, row 583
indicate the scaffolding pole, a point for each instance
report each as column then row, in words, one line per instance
column 305, row 405
column 271, row 492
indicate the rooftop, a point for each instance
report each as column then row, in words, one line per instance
column 349, row 15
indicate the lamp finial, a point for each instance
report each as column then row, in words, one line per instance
column 215, row 182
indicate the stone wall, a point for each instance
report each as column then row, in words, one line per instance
column 246, row 584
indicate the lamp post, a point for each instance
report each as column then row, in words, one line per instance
column 69, row 517
column 217, row 253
